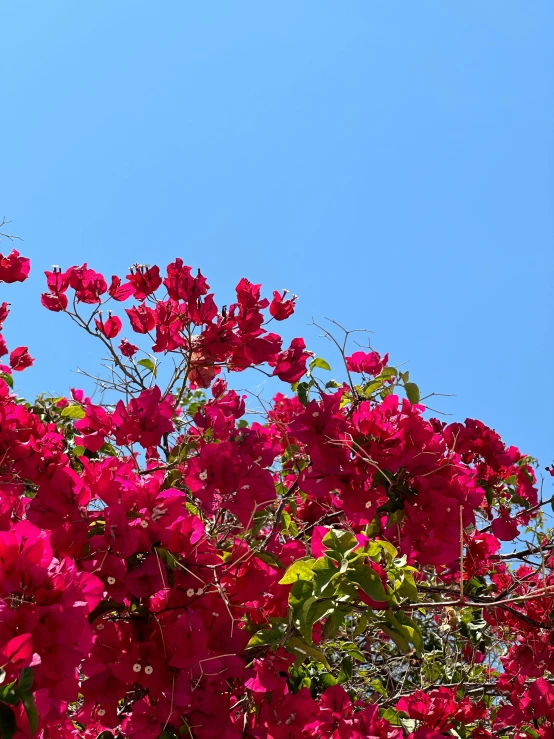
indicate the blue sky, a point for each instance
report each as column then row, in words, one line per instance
column 391, row 163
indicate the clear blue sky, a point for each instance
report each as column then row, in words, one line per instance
column 392, row 163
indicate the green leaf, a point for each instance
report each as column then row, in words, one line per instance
column 7, row 722
column 166, row 556
column 148, row 363
column 25, row 679
column 321, row 363
column 369, row 581
column 411, row 631
column 31, row 711
column 372, row 388
column 377, row 546
column 304, row 393
column 391, row 715
column 378, row 686
column 8, row 379
column 78, row 451
column 302, row 569
column 408, row 724
column 403, row 631
column 361, row 626
column 108, row 448
column 300, row 593
column 270, row 559
column 531, row 732
column 353, row 650
column 8, row 694
column 327, row 680
column 315, row 613
column 324, row 572
column 412, row 392
column 346, row 669
column 342, row 542
column 407, row 587
column 398, row 639
column 300, row 649
column 73, row 411
column 267, row 637
column 333, row 624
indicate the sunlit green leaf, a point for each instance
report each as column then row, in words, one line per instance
column 73, row 411
column 321, row 363
column 369, row 581
column 8, row 379
column 296, row 646
column 148, row 363
column 302, row 569
column 412, row 392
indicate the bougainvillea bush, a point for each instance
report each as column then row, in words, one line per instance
column 322, row 559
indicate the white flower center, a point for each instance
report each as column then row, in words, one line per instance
column 137, row 667
column 99, row 627
column 199, row 591
column 158, row 512
column 144, row 524
column 190, row 592
column 101, row 712
column 203, row 475
column 148, row 670
column 111, row 580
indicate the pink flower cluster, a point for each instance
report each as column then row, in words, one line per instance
column 143, row 542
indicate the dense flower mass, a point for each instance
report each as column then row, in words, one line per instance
column 170, row 567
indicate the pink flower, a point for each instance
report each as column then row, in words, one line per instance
column 4, row 312
column 142, row 318
column 118, row 290
column 505, row 528
column 144, row 280
column 280, row 308
column 93, row 428
column 57, row 281
column 110, row 328
column 290, row 365
column 20, row 359
column 181, row 285
column 89, row 285
column 17, row 650
column 127, row 349
column 145, row 420
column 54, row 302
column 369, row 363
column 14, row 268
